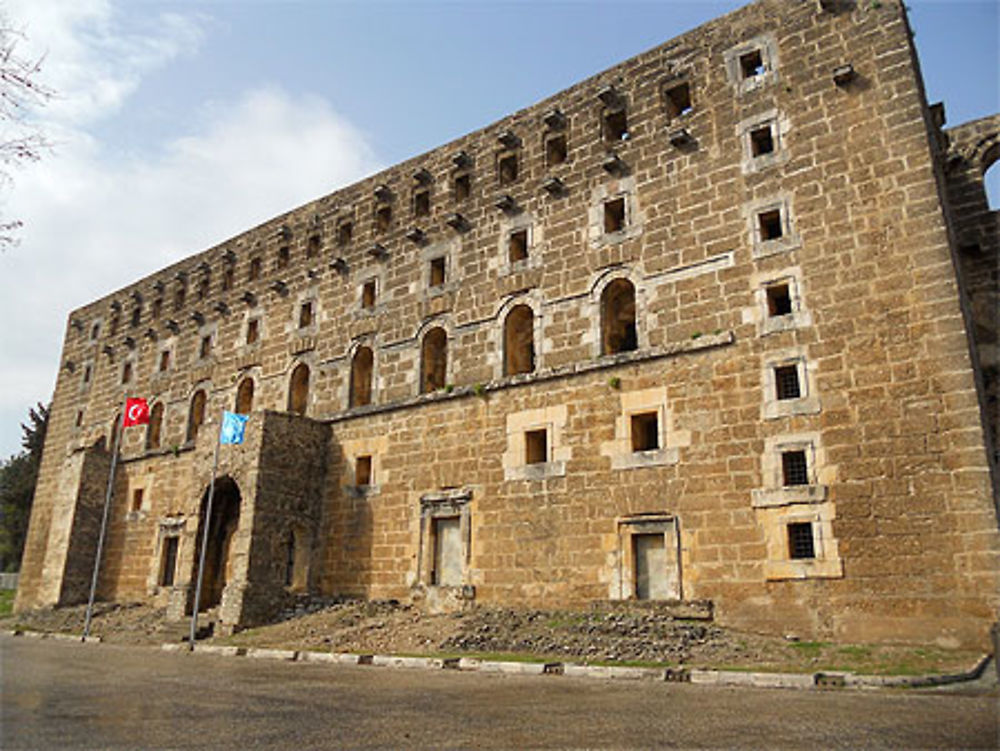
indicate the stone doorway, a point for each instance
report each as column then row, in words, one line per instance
column 650, row 555
column 221, row 531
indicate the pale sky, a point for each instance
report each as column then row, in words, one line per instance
column 180, row 124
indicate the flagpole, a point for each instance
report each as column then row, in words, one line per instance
column 104, row 519
column 206, row 521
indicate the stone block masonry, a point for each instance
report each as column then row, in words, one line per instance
column 711, row 326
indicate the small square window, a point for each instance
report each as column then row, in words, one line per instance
column 254, row 272
column 794, row 468
column 555, row 150
column 786, row 382
column 305, row 315
column 645, row 431
column 344, row 232
column 507, row 169
column 517, row 247
column 678, row 100
column 313, row 246
column 422, row 203
column 253, row 331
column 614, row 215
column 761, row 141
column 800, row 541
column 536, row 446
column 383, row 218
column 752, row 64
column 463, row 187
column 281, row 261
column 437, row 272
column 137, row 499
column 769, row 223
column 368, row 295
column 164, row 360
column 616, row 126
column 363, row 471
column 779, row 300
column 206, row 347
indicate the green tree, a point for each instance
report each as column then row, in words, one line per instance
column 17, row 488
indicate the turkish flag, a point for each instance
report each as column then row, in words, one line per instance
column 136, row 412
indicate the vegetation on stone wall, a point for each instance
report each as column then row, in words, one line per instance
column 17, row 488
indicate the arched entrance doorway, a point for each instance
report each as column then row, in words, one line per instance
column 221, row 531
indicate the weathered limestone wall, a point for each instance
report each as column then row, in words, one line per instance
column 784, row 224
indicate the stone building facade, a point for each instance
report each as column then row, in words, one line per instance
column 717, row 325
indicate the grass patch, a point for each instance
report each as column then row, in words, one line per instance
column 7, row 601
column 809, row 648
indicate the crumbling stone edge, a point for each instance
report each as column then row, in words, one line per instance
column 820, row 680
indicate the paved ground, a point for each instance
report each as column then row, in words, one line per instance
column 72, row 696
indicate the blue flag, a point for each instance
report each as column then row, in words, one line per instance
column 233, row 427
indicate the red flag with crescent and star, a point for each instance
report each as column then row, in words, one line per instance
column 136, row 412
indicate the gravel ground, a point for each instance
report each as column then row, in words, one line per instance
column 624, row 634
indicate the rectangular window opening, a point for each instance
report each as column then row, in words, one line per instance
column 164, row 360
column 786, row 382
column 127, row 372
column 770, row 224
column 157, row 308
column 536, row 446
column 383, row 218
column 86, row 374
column 253, row 331
column 761, row 141
column 616, row 126
column 305, row 315
column 507, row 169
column 79, row 418
column 779, row 300
column 645, row 431
column 614, row 215
column 752, row 64
column 678, row 100
column 313, row 246
column 254, row 272
column 344, row 232
column 206, row 347
column 794, row 468
column 437, row 272
column 555, row 150
column 363, row 471
column 517, row 248
column 422, row 203
column 169, row 562
column 137, row 499
column 800, row 541
column 462, row 187
column 368, row 292
column 227, row 282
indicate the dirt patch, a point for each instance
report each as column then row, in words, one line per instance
column 620, row 636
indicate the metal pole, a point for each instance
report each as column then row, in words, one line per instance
column 104, row 521
column 206, row 521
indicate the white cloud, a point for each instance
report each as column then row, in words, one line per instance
column 94, row 223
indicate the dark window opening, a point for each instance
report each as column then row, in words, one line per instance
column 556, row 150
column 618, row 330
column 761, row 141
column 437, row 272
column 196, row 414
column 244, row 397
column 155, row 427
column 290, row 559
column 786, row 382
column 137, row 499
column 800, row 541
column 422, row 203
column 616, row 126
column 770, row 224
column 779, row 300
column 206, row 347
column 127, row 372
column 363, row 471
column 536, row 446
column 227, row 279
column 463, row 187
column 79, row 418
column 678, row 100
column 164, row 360
column 283, row 257
column 362, row 365
column 95, row 331
column 507, row 169
column 136, row 315
column 434, row 360
column 113, row 326
column 517, row 247
column 344, row 232
column 519, row 341
column 169, row 563
column 179, row 297
column 368, row 292
column 313, row 246
column 298, row 390
column 305, row 315
column 157, row 308
column 645, row 431
column 794, row 468
column 752, row 64
column 254, row 272
column 614, row 215
column 253, row 331
column 383, row 218
column 87, row 371
column 204, row 286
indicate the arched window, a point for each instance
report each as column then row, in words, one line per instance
column 433, row 360
column 155, row 426
column 196, row 414
column 991, row 178
column 618, row 333
column 519, row 341
column 244, row 397
column 361, row 377
column 298, row 389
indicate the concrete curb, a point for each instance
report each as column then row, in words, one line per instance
column 271, row 654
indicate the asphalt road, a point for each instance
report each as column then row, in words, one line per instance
column 64, row 695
